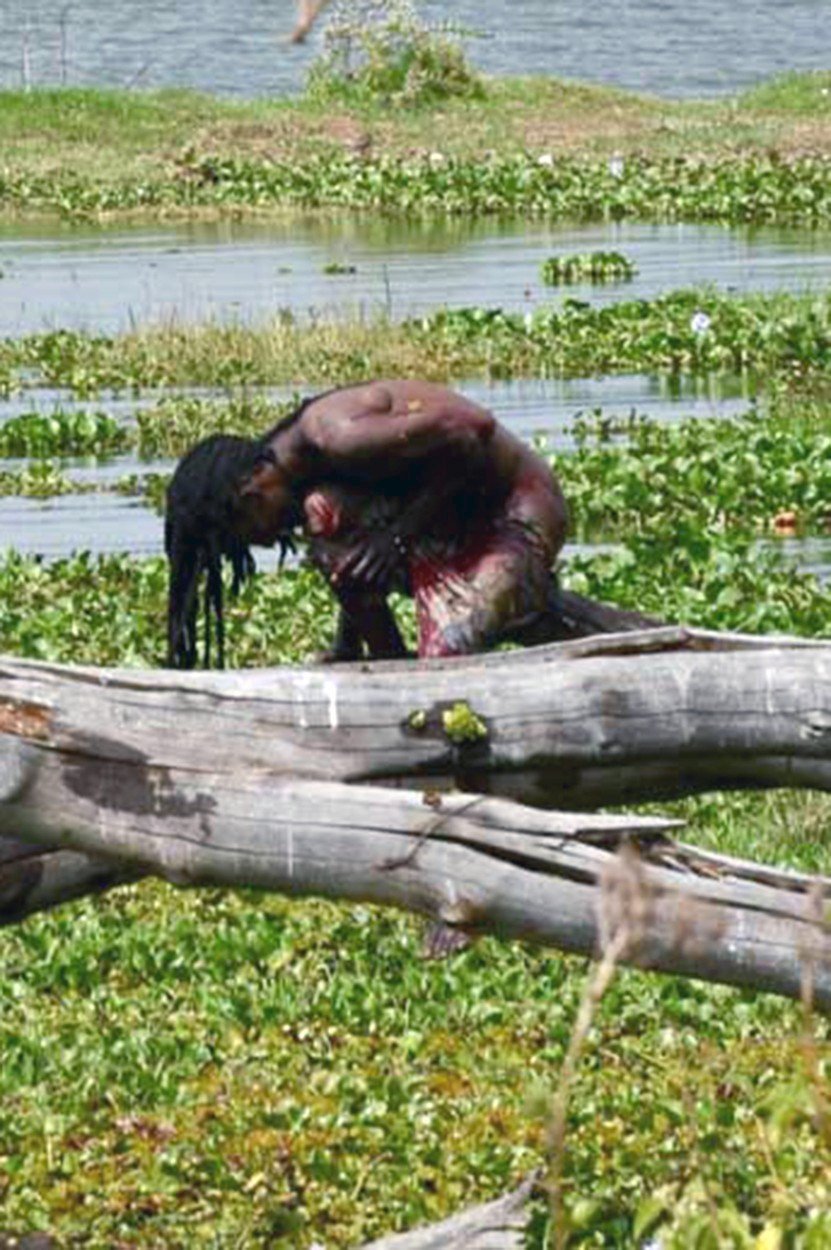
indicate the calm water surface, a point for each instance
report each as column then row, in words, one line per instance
column 237, row 47
column 110, row 280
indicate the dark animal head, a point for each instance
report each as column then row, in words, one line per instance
column 199, row 532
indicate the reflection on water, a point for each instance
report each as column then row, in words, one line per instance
column 112, row 280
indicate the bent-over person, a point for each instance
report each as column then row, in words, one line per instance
column 405, row 485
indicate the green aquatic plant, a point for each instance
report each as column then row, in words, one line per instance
column 41, row 479
column 173, row 424
column 691, row 331
column 715, row 578
column 63, row 433
column 688, row 331
column 754, row 189
column 151, row 487
column 633, row 475
column 587, row 267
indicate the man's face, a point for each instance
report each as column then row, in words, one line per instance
column 265, row 507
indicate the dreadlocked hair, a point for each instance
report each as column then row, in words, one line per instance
column 199, row 532
column 197, row 535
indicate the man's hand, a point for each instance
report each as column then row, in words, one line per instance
column 373, row 563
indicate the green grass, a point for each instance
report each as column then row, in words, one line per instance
column 799, row 94
column 780, row 337
column 88, row 152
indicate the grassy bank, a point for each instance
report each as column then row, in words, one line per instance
column 90, row 152
column 776, row 336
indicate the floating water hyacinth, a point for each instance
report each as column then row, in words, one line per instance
column 588, row 267
column 700, row 323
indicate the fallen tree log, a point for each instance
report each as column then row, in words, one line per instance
column 608, row 719
column 476, row 863
column 223, row 778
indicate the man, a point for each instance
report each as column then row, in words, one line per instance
column 404, row 484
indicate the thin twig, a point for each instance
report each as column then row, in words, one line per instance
column 596, row 986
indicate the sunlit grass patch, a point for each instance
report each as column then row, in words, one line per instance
column 807, row 93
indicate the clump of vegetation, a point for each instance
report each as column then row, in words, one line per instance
column 688, row 331
column 461, row 724
column 42, row 479
column 587, row 267
column 60, row 433
column 756, row 189
column 636, row 475
column 381, row 52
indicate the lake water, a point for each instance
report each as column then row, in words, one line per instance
column 237, row 47
column 109, row 280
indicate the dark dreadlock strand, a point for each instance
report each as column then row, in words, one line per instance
column 198, row 534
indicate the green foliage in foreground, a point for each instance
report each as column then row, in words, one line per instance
column 587, row 267
column 751, row 189
column 693, row 331
column 227, row 1069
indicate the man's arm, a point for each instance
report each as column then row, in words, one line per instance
column 376, row 431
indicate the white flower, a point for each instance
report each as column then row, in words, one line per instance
column 699, row 323
column 616, row 166
column 545, row 159
column 529, row 320
column 436, row 158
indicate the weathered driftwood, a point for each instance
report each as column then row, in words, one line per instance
column 498, row 1225
column 479, row 863
column 601, row 720
column 236, row 778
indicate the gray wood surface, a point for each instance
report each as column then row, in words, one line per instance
column 258, row 778
column 478, row 863
column 497, row 1225
column 603, row 720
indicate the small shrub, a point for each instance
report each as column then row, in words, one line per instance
column 380, row 51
